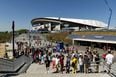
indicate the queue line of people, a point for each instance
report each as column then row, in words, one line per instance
column 61, row 62
column 68, row 62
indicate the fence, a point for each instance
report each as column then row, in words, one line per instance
column 113, row 70
column 13, row 66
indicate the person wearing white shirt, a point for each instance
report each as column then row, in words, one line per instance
column 81, row 64
column 57, row 63
column 109, row 60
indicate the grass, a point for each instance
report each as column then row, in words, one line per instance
column 63, row 35
column 59, row 37
column 95, row 32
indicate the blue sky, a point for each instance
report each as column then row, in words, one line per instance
column 23, row 11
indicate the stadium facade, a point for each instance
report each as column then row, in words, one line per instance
column 57, row 23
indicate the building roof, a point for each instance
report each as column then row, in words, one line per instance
column 94, row 23
column 94, row 38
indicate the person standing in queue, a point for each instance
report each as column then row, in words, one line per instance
column 47, row 62
column 81, row 63
column 86, row 63
column 109, row 60
column 97, row 60
column 61, row 63
column 74, row 64
column 68, row 64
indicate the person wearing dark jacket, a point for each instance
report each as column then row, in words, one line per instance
column 68, row 64
column 86, row 63
column 97, row 60
column 47, row 62
column 61, row 63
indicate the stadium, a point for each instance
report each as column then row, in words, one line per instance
column 57, row 24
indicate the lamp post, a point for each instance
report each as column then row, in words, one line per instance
column 60, row 23
column 29, row 38
column 109, row 19
column 13, row 34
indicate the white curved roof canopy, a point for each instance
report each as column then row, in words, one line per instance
column 94, row 23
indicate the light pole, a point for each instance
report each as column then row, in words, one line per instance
column 29, row 37
column 60, row 23
column 109, row 19
column 13, row 34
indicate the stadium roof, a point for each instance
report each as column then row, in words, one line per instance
column 94, row 23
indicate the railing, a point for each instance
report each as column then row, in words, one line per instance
column 113, row 70
column 10, row 66
column 6, row 65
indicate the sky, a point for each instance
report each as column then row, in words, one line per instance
column 23, row 11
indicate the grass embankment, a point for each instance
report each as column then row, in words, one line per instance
column 59, row 37
column 63, row 36
column 113, row 33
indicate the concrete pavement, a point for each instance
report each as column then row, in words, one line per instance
column 36, row 70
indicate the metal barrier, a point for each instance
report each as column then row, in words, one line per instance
column 113, row 70
column 10, row 66
column 6, row 65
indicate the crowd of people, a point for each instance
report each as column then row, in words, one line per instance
column 71, row 61
column 68, row 59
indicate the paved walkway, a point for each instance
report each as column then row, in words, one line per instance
column 36, row 70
